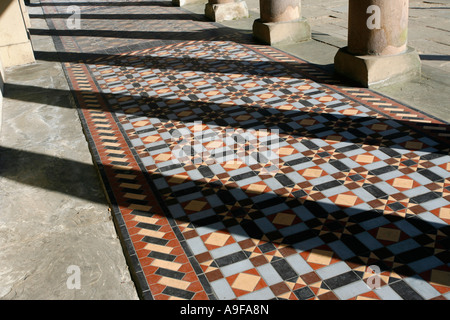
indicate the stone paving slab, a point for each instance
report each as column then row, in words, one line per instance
column 237, row 171
column 54, row 212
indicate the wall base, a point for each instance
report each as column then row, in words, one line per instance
column 17, row 54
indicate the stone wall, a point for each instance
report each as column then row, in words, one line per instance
column 15, row 45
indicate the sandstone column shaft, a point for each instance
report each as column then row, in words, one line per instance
column 15, row 45
column 377, row 27
column 281, row 22
column 377, row 53
column 280, row 10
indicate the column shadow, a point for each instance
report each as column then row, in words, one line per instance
column 349, row 234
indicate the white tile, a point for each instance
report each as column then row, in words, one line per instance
column 387, row 293
column 422, row 287
column 263, row 294
column 222, row 289
column 333, row 270
column 351, row 290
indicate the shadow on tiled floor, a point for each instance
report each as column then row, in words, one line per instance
column 236, row 171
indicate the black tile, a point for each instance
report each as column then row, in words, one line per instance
column 135, row 191
column 274, row 235
column 298, row 161
column 162, row 256
column 170, row 273
column 206, row 221
column 205, row 283
column 135, row 201
column 390, row 152
column 328, row 185
column 230, row 259
column 423, row 239
column 195, row 265
column 304, row 293
column 142, row 213
column 356, row 177
column 365, row 216
column 269, row 202
column 333, row 225
column 341, row 280
column 424, row 197
column 160, row 146
column 243, row 176
column 284, row 269
column 299, row 237
column 226, row 196
column 431, row 175
column 339, row 165
column 420, row 224
column 186, row 249
column 415, row 254
column 375, row 191
column 383, row 253
column 316, row 209
column 171, row 167
column 310, row 145
column 405, row 291
column 252, row 229
column 396, row 206
column 382, row 170
column 348, row 148
column 444, row 256
column 409, row 162
column 328, row 237
column 284, row 180
column 354, row 244
column 148, row 226
column 206, row 172
column 299, row 194
column 266, row 247
column 154, row 240
column 431, row 156
column 396, row 135
column 170, row 291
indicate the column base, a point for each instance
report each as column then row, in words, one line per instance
column 17, row 54
column 378, row 71
column 226, row 11
column 282, row 32
column 180, row 3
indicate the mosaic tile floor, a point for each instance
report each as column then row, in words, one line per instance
column 236, row 171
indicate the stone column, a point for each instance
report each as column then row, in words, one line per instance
column 15, row 45
column 223, row 10
column 377, row 52
column 281, row 22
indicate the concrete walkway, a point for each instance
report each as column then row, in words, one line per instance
column 54, row 212
column 55, row 217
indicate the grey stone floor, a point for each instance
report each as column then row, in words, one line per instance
column 54, row 213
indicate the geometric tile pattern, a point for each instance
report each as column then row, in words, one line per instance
column 236, row 171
